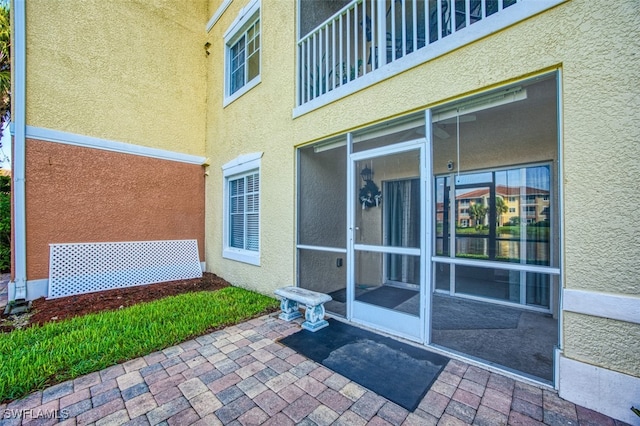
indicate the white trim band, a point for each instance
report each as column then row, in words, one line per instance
column 509, row 266
column 615, row 306
column 221, row 9
column 247, row 161
column 245, row 14
column 605, row 391
column 321, row 248
column 35, row 289
column 58, row 136
column 40, row 288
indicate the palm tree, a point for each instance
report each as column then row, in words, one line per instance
column 478, row 211
column 501, row 208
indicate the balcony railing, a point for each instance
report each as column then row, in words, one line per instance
column 366, row 35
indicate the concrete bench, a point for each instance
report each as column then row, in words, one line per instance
column 314, row 302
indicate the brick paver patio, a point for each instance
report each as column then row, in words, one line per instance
column 4, row 289
column 242, row 376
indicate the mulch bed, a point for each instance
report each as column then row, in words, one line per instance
column 43, row 311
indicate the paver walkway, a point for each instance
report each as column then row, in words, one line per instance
column 242, row 376
column 4, row 290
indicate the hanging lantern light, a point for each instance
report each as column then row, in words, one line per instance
column 366, row 174
column 369, row 195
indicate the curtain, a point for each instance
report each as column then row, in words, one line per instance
column 402, row 228
column 537, row 219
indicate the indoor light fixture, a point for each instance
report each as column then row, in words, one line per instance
column 326, row 146
column 366, row 174
column 462, row 113
column 481, row 103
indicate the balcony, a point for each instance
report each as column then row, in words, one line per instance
column 365, row 41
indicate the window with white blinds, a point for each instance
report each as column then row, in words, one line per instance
column 242, row 209
column 244, row 212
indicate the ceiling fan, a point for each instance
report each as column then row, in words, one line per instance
column 441, row 133
column 463, row 112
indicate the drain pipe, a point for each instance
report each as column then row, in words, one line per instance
column 19, row 142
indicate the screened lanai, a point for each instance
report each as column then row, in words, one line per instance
column 443, row 227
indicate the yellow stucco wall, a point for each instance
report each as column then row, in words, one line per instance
column 129, row 71
column 259, row 121
column 601, row 152
column 593, row 43
column 603, row 342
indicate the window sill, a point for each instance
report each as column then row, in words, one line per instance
column 244, row 256
column 250, row 85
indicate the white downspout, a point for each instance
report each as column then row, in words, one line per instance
column 18, row 172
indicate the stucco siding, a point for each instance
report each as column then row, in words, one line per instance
column 258, row 121
column 594, row 44
column 602, row 149
column 129, row 71
column 603, row 342
column 77, row 194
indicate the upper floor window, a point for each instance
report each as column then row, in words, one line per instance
column 242, row 41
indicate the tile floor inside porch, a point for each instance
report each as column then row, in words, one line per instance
column 242, row 376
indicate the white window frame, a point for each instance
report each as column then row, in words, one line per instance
column 234, row 169
column 245, row 19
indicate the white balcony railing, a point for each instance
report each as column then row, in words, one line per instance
column 366, row 35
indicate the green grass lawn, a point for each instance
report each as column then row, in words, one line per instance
column 37, row 357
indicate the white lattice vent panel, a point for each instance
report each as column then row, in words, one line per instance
column 89, row 267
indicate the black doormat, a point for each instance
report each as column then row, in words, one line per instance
column 386, row 296
column 453, row 313
column 397, row 371
column 339, row 295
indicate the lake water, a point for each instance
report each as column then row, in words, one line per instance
column 537, row 252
